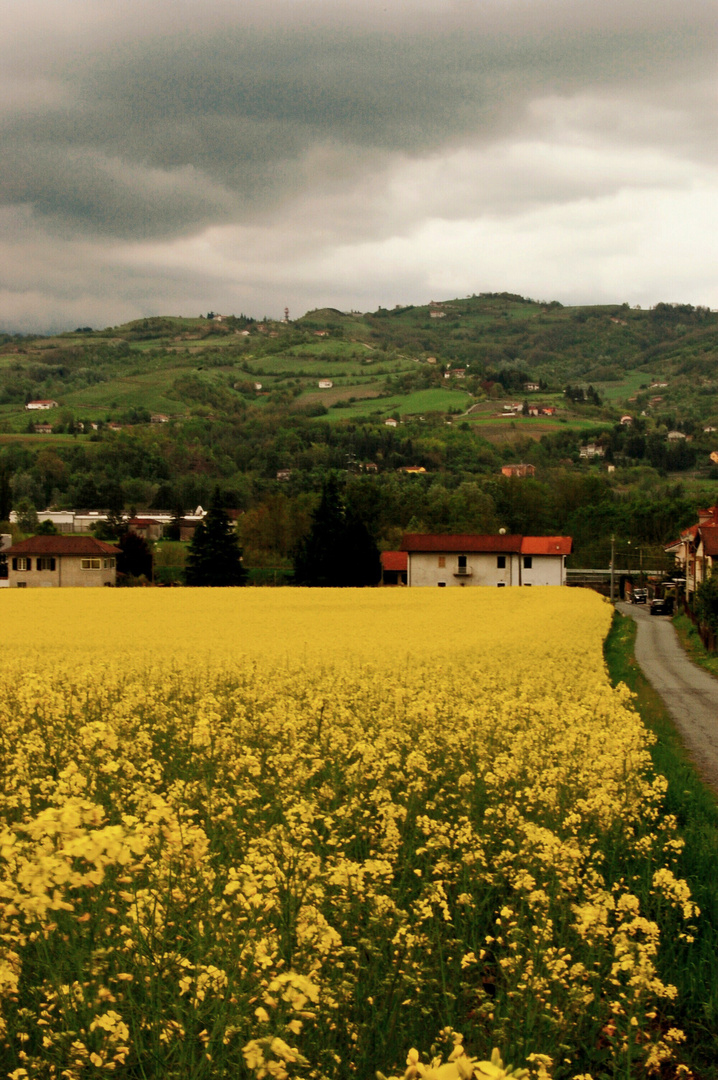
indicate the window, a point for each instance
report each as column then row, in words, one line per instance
column 90, row 564
column 500, row 562
column 442, row 560
column 441, row 584
column 108, row 564
column 22, row 563
column 22, row 584
column 528, row 562
column 47, row 563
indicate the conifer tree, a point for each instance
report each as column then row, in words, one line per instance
column 135, row 560
column 215, row 555
column 339, row 549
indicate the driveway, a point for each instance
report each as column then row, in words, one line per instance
column 689, row 692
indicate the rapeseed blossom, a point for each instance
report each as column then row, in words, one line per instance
column 296, row 833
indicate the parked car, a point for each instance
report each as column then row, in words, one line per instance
column 662, row 605
column 639, row 596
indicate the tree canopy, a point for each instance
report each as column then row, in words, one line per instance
column 215, row 555
column 339, row 549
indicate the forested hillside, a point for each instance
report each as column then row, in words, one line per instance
column 415, row 409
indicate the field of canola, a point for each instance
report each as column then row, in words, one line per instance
column 316, row 833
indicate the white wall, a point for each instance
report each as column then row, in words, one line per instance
column 483, row 569
column 424, row 569
column 545, row 570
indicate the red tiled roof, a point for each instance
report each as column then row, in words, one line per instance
column 466, row 542
column 709, row 536
column 546, row 545
column 461, row 542
column 61, row 545
column 394, row 560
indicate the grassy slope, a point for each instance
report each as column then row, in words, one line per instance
column 558, row 344
column 692, row 967
column 419, row 401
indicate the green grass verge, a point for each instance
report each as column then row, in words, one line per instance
column 690, row 639
column 690, row 966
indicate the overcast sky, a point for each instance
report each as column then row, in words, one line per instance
column 172, row 156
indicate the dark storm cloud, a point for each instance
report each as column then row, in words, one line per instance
column 171, row 156
column 142, row 131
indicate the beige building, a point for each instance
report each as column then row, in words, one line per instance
column 61, row 561
column 469, row 559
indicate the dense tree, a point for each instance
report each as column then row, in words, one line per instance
column 706, row 602
column 215, row 555
column 5, row 494
column 135, row 560
column 85, row 494
column 339, row 549
column 27, row 516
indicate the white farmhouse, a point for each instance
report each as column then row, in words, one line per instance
column 469, row 559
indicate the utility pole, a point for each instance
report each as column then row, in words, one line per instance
column 613, row 562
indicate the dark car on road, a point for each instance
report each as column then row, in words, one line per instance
column 639, row 596
column 662, row 605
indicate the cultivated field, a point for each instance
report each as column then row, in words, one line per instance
column 297, row 833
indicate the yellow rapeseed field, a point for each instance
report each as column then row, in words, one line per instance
column 316, row 833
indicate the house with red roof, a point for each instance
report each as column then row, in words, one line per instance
column 696, row 549
column 518, row 470
column 471, row 559
column 393, row 567
column 61, row 562
column 149, row 528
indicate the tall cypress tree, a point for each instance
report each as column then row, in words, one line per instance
column 215, row 556
column 338, row 550
column 5, row 494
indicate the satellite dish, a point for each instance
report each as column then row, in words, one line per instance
column 502, row 532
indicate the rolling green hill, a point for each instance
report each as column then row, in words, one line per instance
column 241, row 401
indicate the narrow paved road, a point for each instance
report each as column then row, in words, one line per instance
column 689, row 692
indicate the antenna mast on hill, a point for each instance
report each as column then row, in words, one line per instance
column 286, row 314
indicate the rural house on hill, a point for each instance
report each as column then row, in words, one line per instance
column 61, row 561
column 469, row 559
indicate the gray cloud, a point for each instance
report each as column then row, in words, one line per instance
column 165, row 133
column 317, row 126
